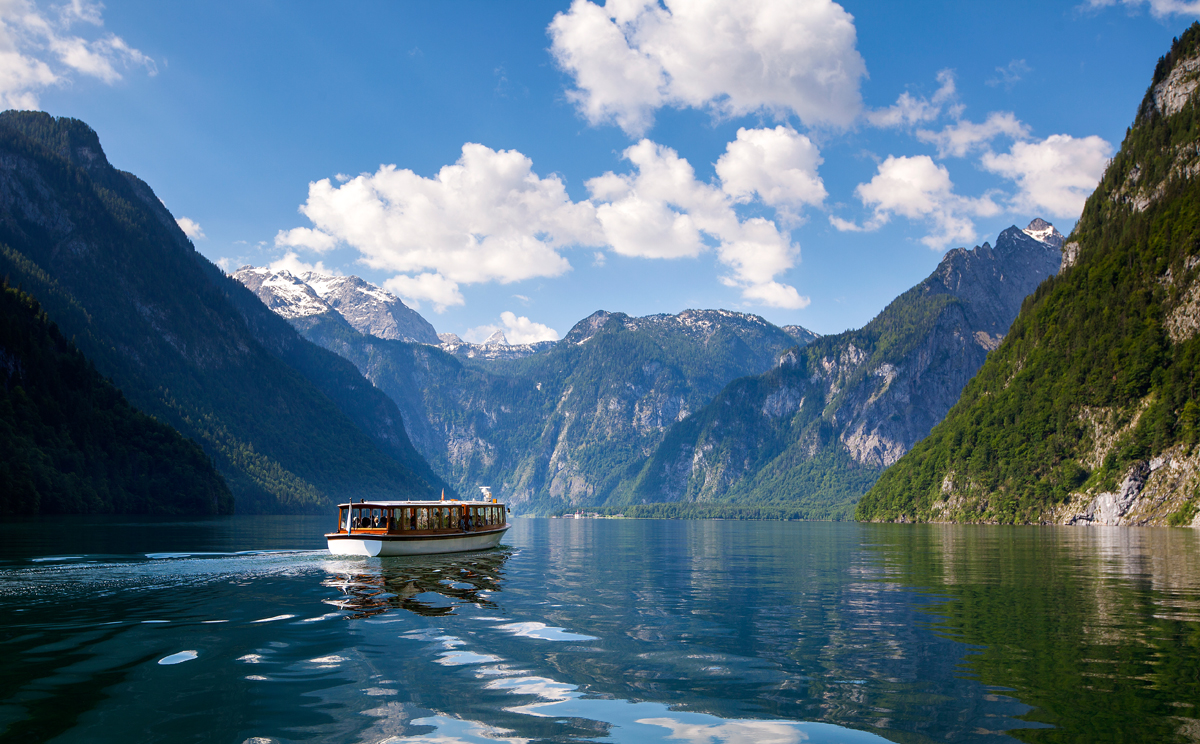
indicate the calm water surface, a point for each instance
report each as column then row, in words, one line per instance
column 245, row 630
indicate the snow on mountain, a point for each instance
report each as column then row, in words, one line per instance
column 371, row 310
column 1044, row 232
column 283, row 293
column 367, row 308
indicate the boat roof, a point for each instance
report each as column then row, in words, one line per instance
column 432, row 502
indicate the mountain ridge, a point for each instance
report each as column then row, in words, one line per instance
column 830, row 416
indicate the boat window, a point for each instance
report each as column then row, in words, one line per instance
column 341, row 519
column 422, row 519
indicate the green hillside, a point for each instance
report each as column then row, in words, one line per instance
column 290, row 426
column 69, row 441
column 1092, row 395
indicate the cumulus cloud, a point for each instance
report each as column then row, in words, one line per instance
column 909, row 110
column 961, row 137
column 779, row 165
column 490, row 218
column 37, row 50
column 661, row 211
column 631, row 57
column 305, row 237
column 516, row 330
column 191, row 228
column 919, row 189
column 434, row 288
column 1158, row 8
column 1054, row 176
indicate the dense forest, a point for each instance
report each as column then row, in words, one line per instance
column 73, row 444
column 1093, row 342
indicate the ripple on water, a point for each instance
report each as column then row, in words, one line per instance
column 178, row 658
column 543, row 632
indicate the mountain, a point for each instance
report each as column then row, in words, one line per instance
column 554, row 424
column 289, row 425
column 494, row 347
column 817, row 430
column 1087, row 412
column 71, row 443
column 368, row 309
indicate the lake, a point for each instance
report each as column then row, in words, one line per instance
column 244, row 629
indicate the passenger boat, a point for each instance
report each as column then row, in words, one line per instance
column 381, row 528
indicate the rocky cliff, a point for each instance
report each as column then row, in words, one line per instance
column 821, row 425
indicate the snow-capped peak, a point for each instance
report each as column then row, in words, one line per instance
column 1044, row 232
column 286, row 295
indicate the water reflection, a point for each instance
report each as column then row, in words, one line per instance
column 1098, row 629
column 431, row 586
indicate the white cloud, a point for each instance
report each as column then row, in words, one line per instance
column 293, row 263
column 919, row 189
column 961, row 137
column 662, row 211
column 780, row 165
column 1158, row 8
column 434, row 288
column 488, row 217
column 37, row 51
column 516, row 329
column 909, row 110
column 631, row 57
column 191, row 228
column 304, row 237
column 1054, row 176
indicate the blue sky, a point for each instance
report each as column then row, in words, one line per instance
column 521, row 165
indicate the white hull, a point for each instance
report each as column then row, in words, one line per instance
column 373, row 545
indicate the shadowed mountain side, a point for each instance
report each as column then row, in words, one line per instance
column 182, row 341
column 821, row 426
column 1087, row 412
column 69, row 441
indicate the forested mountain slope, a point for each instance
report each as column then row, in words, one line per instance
column 816, row 431
column 1087, row 412
column 69, row 441
column 289, row 425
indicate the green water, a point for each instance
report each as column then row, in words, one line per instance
column 245, row 629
